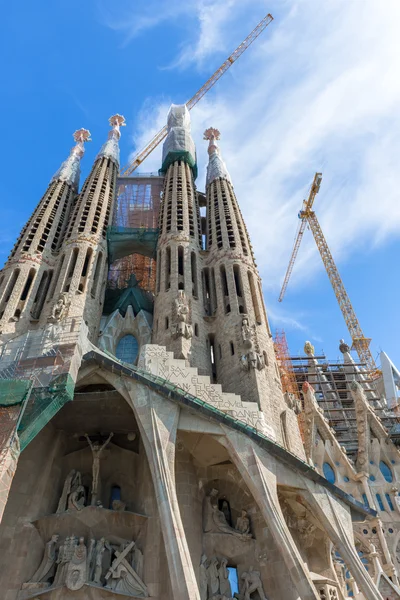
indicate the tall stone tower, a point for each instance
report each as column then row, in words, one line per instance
column 28, row 281
column 83, row 263
column 178, row 307
column 244, row 358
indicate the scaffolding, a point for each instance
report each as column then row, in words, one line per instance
column 37, row 377
column 287, row 374
column 331, row 382
column 132, row 237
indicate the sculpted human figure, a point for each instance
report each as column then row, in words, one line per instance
column 60, row 562
column 203, row 578
column 77, row 569
column 76, row 499
column 246, row 333
column 212, row 577
column 62, row 504
column 252, row 583
column 61, row 307
column 223, row 576
column 98, row 561
column 48, row 564
column 96, row 451
column 214, row 519
column 182, row 311
column 243, row 522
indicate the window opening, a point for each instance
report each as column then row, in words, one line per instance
column 127, row 349
column 329, row 473
column 96, row 274
column 225, row 507
column 254, row 299
column 193, row 265
column 224, row 283
column 168, row 269
column 379, row 499
column 181, row 269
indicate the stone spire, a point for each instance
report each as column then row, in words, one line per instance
column 216, row 168
column 70, row 168
column 111, row 148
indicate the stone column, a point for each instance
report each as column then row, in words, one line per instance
column 335, row 518
column 158, row 419
column 258, row 471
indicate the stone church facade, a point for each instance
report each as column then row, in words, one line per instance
column 148, row 450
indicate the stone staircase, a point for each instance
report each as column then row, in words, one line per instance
column 157, row 361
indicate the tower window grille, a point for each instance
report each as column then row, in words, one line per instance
column 254, row 298
column 9, row 290
column 41, row 294
column 380, row 503
column 110, row 201
column 56, row 278
column 57, row 239
column 214, row 298
column 225, row 289
column 181, row 268
column 193, row 265
column 167, row 268
column 127, row 349
column 239, row 221
column 239, row 288
column 190, row 199
column 209, row 220
column 71, row 269
column 179, row 199
column 169, row 186
column 96, row 276
column 228, row 218
column 217, row 218
column 44, row 203
column 207, row 292
column 85, row 269
column 27, row 286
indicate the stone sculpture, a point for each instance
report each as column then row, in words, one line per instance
column 203, row 581
column 76, row 575
column 76, row 499
column 214, row 519
column 96, row 451
column 252, row 358
column 122, row 577
column 69, row 484
column 61, row 307
column 309, row 348
column 118, row 505
column 212, row 577
column 243, row 522
column 182, row 316
column 252, row 583
column 223, row 576
column 48, row 564
column 77, row 564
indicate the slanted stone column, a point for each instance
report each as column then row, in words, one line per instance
column 335, row 518
column 158, row 419
column 258, row 471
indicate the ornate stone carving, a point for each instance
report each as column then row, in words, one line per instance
column 243, row 523
column 122, row 577
column 182, row 316
column 61, row 308
column 252, row 583
column 293, row 402
column 309, row 348
column 48, row 564
column 77, row 568
column 214, row 519
column 96, row 449
column 252, row 357
column 203, row 585
column 73, row 494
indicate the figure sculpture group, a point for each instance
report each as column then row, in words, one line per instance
column 215, row 583
column 73, row 563
column 214, row 519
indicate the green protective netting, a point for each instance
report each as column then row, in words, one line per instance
column 179, row 155
column 13, row 391
column 123, row 241
column 43, row 404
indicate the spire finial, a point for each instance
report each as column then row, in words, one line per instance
column 82, row 135
column 70, row 169
column 216, row 167
column 116, row 121
column 111, row 149
column 212, row 135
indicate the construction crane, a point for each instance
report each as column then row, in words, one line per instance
column 308, row 217
column 158, row 138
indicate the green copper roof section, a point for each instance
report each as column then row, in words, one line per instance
column 132, row 295
column 123, row 241
column 179, row 155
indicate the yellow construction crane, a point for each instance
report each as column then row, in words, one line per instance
column 308, row 217
column 158, row 138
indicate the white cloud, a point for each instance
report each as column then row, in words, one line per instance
column 319, row 90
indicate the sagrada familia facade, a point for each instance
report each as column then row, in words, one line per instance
column 148, row 448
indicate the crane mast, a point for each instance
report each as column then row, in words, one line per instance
column 158, row 138
column 308, row 216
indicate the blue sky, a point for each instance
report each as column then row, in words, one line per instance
column 318, row 91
